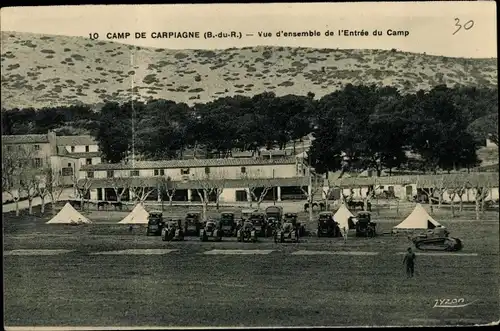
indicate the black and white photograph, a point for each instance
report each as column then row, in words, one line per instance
column 250, row 165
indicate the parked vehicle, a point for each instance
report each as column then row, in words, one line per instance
column 228, row 224
column 247, row 233
column 245, row 213
column 272, row 225
column 287, row 233
column 211, row 231
column 327, row 227
column 293, row 218
column 364, row 225
column 258, row 219
column 437, row 239
column 172, row 231
column 192, row 224
column 155, row 223
column 274, row 211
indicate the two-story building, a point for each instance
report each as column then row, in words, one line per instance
column 238, row 179
column 64, row 154
column 73, row 152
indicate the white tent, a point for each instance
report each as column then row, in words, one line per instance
column 419, row 219
column 69, row 215
column 138, row 215
column 342, row 217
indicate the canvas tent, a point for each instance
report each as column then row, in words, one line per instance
column 138, row 215
column 419, row 219
column 69, row 215
column 342, row 217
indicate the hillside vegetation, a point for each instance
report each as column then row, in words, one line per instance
column 42, row 70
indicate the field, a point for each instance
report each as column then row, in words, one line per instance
column 47, row 70
column 104, row 274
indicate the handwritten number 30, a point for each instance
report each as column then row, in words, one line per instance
column 467, row 26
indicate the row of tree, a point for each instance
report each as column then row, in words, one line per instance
column 357, row 127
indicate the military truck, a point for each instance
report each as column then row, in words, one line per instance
column 155, row 223
column 293, row 218
column 327, row 227
column 247, row 233
column 364, row 225
column 172, row 231
column 258, row 219
column 228, row 224
column 275, row 212
column 192, row 224
column 211, row 231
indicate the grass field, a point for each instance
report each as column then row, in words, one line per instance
column 319, row 281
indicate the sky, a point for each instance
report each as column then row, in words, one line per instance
column 431, row 26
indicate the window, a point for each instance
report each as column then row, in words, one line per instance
column 37, row 147
column 159, row 172
column 207, row 170
column 67, row 171
column 69, row 165
column 381, row 187
column 72, row 149
column 243, row 170
column 134, row 173
column 37, row 162
column 110, row 174
column 88, row 161
column 90, row 174
column 185, row 171
column 9, row 148
column 87, row 149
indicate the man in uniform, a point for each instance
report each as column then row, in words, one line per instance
column 410, row 262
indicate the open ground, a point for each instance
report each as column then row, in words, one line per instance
column 105, row 274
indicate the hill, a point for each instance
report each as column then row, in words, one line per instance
column 46, row 70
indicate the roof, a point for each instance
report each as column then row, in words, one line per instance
column 25, row 139
column 76, row 140
column 194, row 163
column 448, row 180
column 194, row 184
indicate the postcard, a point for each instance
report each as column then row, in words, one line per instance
column 279, row 165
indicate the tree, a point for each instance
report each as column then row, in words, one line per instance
column 485, row 127
column 205, row 189
column 457, row 190
column 327, row 191
column 437, row 131
column 463, row 189
column 169, row 187
column 120, row 186
column 162, row 131
column 83, row 188
column 258, row 184
column 439, row 189
column 53, row 185
column 13, row 161
column 29, row 179
column 140, row 190
column 482, row 192
column 114, row 133
column 43, row 187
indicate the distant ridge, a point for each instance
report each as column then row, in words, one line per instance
column 47, row 70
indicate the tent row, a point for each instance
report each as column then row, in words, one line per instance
column 418, row 219
column 69, row 215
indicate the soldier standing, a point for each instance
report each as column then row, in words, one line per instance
column 409, row 260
